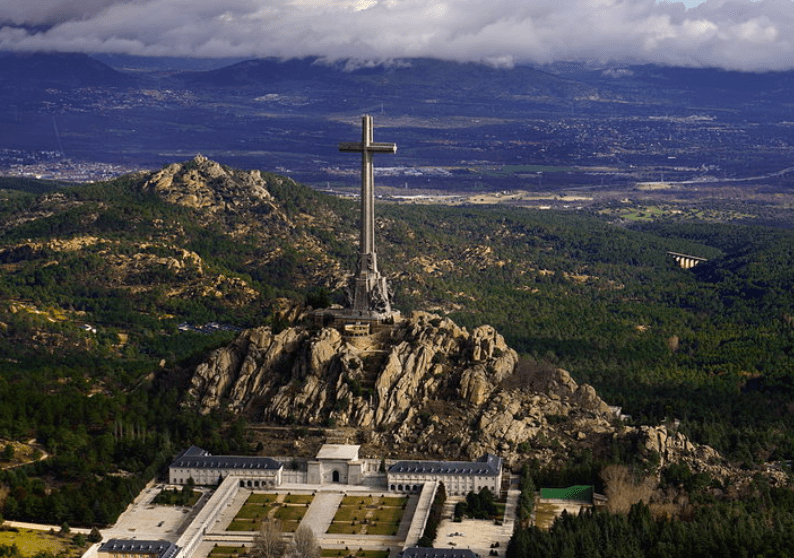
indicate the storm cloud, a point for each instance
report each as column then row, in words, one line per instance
column 734, row 34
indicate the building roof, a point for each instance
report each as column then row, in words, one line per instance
column 343, row 452
column 197, row 458
column 488, row 465
column 419, row 552
column 576, row 493
column 163, row 549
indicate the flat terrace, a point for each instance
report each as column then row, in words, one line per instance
column 344, row 518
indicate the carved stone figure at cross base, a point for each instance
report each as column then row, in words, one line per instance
column 368, row 292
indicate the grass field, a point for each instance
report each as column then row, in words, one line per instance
column 349, row 513
column 261, row 498
column 394, row 501
column 387, row 515
column 357, row 501
column 378, row 515
column 544, row 515
column 298, row 499
column 289, row 509
column 331, row 552
column 290, row 513
column 290, row 526
column 242, row 525
column 338, row 528
column 31, row 542
column 228, row 551
column 253, row 511
column 388, row 529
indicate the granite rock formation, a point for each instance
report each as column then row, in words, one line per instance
column 427, row 388
column 209, row 186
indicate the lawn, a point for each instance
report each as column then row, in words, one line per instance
column 298, row 498
column 388, row 515
column 228, row 551
column 357, row 501
column 290, row 526
column 344, row 529
column 394, row 501
column 290, row 513
column 544, row 515
column 331, row 552
column 260, row 506
column 348, row 513
column 242, row 525
column 261, row 498
column 253, row 511
column 388, row 529
column 370, row 515
column 30, row 542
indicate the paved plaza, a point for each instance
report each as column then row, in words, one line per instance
column 145, row 521
column 477, row 535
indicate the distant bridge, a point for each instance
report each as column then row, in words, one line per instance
column 686, row 261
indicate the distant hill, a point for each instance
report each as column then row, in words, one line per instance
column 57, row 70
column 415, row 80
column 30, row 185
column 706, row 86
column 601, row 128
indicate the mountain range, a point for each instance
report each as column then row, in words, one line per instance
column 596, row 127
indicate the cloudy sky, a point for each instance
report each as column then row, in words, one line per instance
column 735, row 34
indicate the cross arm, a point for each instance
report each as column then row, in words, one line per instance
column 375, row 147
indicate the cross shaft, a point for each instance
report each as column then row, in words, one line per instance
column 369, row 292
column 367, row 147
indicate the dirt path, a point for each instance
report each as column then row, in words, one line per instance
column 29, row 444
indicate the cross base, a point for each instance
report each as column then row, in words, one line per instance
column 369, row 293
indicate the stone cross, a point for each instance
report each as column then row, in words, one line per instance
column 369, row 292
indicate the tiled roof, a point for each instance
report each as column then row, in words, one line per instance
column 418, row 552
column 197, row 458
column 163, row 549
column 487, row 465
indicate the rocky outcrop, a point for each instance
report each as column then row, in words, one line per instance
column 426, row 387
column 209, row 186
column 424, row 381
column 317, row 377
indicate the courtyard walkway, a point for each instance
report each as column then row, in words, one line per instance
column 143, row 520
column 475, row 534
column 321, row 511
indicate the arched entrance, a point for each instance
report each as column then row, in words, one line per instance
column 335, row 476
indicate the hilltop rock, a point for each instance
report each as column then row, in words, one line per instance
column 316, row 376
column 210, row 186
column 426, row 381
column 427, row 387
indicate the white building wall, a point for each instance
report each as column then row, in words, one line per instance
column 210, row 477
column 455, row 485
column 294, row 477
column 334, row 472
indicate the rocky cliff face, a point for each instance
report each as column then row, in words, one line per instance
column 426, row 387
column 317, row 377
